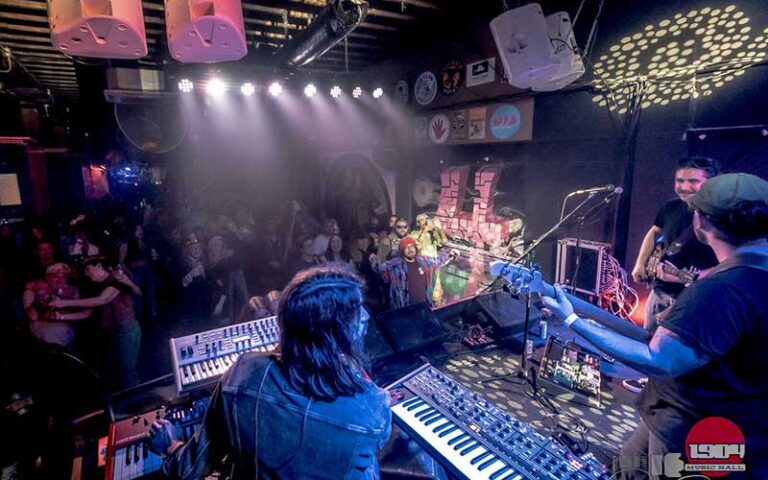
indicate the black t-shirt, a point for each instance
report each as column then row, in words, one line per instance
column 417, row 283
column 725, row 317
column 675, row 220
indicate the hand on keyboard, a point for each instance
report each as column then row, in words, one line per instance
column 162, row 435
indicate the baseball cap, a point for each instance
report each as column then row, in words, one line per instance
column 721, row 195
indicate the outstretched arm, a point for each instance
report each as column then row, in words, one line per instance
column 107, row 295
column 664, row 356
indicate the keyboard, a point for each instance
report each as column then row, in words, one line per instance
column 201, row 358
column 128, row 453
column 476, row 440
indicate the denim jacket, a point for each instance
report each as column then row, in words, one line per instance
column 271, row 431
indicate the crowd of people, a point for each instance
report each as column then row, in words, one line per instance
column 100, row 283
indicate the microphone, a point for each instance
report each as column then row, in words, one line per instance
column 607, row 188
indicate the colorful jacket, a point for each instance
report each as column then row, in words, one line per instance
column 395, row 271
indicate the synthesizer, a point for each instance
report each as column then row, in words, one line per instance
column 477, row 440
column 201, row 358
column 128, row 453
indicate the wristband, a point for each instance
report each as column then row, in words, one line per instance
column 570, row 319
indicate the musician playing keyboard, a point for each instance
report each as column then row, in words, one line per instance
column 309, row 412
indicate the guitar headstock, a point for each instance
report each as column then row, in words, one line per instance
column 524, row 280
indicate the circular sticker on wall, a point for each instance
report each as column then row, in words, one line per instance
column 401, row 92
column 439, row 128
column 505, row 122
column 425, row 89
column 451, row 77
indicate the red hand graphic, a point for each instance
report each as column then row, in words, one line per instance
column 438, row 128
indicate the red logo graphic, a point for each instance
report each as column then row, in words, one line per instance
column 438, row 128
column 505, row 121
column 717, row 445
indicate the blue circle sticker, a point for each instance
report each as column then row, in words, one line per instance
column 505, row 122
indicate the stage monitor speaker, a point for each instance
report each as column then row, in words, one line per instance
column 201, row 31
column 522, row 39
column 98, row 28
column 411, row 328
column 504, row 311
column 376, row 345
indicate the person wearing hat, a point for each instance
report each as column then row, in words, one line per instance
column 707, row 357
column 673, row 245
column 429, row 238
column 48, row 326
column 411, row 277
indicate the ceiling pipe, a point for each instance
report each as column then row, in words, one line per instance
column 329, row 27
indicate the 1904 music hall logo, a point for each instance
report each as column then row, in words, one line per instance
column 715, row 445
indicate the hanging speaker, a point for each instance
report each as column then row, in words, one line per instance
column 570, row 66
column 522, row 39
column 98, row 28
column 202, row 31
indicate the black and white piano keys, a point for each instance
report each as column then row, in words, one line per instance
column 456, row 446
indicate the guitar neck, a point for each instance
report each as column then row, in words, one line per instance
column 606, row 319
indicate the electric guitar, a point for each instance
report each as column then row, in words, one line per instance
column 529, row 281
column 680, row 275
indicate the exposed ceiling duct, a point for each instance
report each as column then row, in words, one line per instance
column 329, row 27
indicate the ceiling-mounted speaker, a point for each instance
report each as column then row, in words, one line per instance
column 201, row 31
column 522, row 39
column 570, row 65
column 98, row 28
column 537, row 52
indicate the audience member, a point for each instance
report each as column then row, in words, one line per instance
column 411, row 278
column 114, row 296
column 47, row 326
column 306, row 257
column 335, row 252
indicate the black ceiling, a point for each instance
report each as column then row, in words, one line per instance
column 391, row 27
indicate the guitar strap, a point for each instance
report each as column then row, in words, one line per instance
column 678, row 244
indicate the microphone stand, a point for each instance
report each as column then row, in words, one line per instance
column 524, row 373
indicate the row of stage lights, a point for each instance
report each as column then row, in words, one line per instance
column 217, row 87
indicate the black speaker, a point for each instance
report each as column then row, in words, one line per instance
column 411, row 328
column 376, row 345
column 504, row 311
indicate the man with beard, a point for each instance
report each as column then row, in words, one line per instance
column 388, row 247
column 672, row 230
column 411, row 277
column 704, row 360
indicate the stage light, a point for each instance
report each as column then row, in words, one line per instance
column 275, row 89
column 216, row 87
column 336, row 91
column 247, row 89
column 357, row 92
column 378, row 92
column 186, row 85
column 328, row 27
column 310, row 90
